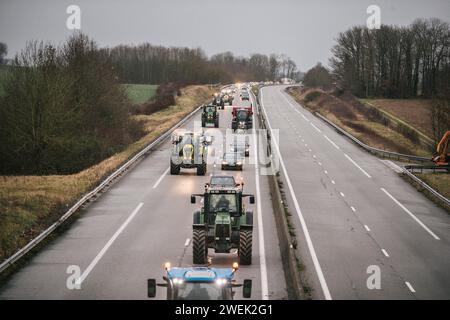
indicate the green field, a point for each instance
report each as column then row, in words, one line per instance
column 140, row 93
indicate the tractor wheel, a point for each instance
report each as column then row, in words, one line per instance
column 216, row 123
column 174, row 169
column 199, row 248
column 201, row 169
column 203, row 123
column 245, row 247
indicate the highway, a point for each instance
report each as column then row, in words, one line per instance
column 139, row 223
column 354, row 214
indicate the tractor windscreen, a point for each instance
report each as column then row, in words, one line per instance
column 222, row 202
column 242, row 115
column 200, row 291
column 210, row 109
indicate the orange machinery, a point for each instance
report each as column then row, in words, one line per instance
column 442, row 156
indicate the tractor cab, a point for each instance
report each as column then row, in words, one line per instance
column 223, row 223
column 242, row 119
column 210, row 115
column 200, row 283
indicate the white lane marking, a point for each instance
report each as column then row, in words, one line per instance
column 385, row 253
column 108, row 244
column 293, row 107
column 186, row 244
column 262, row 250
column 320, row 163
column 410, row 287
column 306, row 144
column 353, row 209
column 356, row 165
column 332, row 181
column 367, row 228
column 314, row 156
column 317, row 129
column 411, row 214
column 326, row 172
column 312, row 251
column 332, row 142
column 160, row 178
column 342, row 195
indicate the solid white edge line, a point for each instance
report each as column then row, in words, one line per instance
column 332, row 142
column 293, row 107
column 310, row 245
column 410, row 287
column 262, row 250
column 186, row 243
column 385, row 253
column 356, row 165
column 160, row 178
column 411, row 214
column 108, row 244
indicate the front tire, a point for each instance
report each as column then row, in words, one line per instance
column 201, row 169
column 174, row 169
column 199, row 248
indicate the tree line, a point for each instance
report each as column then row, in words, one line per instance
column 394, row 62
column 147, row 63
column 62, row 110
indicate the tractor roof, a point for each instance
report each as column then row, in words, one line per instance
column 202, row 274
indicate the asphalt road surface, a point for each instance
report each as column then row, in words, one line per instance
column 142, row 221
column 355, row 215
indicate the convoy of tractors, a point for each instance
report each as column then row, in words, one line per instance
column 223, row 223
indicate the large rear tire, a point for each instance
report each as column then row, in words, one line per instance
column 199, row 248
column 245, row 247
column 174, row 169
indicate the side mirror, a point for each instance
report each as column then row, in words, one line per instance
column 151, row 288
column 247, row 288
column 252, row 199
column 192, row 199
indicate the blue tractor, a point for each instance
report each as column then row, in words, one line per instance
column 199, row 283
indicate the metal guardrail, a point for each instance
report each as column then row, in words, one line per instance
column 427, row 187
column 420, row 168
column 376, row 151
column 33, row 243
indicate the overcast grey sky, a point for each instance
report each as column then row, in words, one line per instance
column 304, row 30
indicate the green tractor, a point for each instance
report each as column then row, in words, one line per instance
column 210, row 115
column 189, row 151
column 223, row 223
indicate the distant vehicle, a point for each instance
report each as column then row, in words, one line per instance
column 241, row 147
column 210, row 115
column 245, row 95
column 228, row 98
column 218, row 101
column 189, row 151
column 233, row 161
column 200, row 283
column 222, row 181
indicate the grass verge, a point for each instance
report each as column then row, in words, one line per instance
column 347, row 112
column 29, row 204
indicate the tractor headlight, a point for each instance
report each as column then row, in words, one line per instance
column 224, row 162
column 221, row 281
column 178, row 281
column 238, row 163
